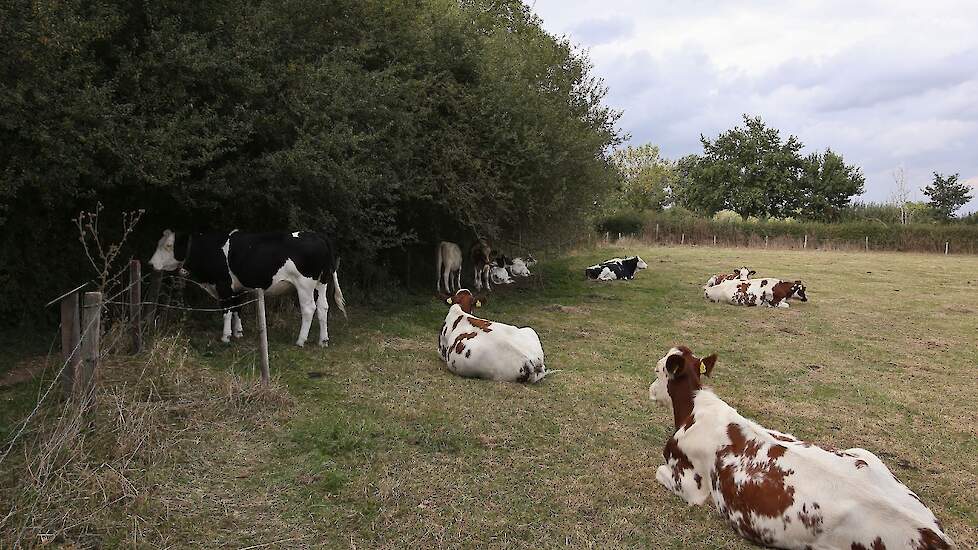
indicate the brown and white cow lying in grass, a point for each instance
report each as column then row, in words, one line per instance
column 767, row 291
column 477, row 348
column 739, row 274
column 774, row 489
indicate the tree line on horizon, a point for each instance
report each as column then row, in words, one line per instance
column 751, row 172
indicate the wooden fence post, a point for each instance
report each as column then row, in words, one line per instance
column 70, row 351
column 683, row 241
column 714, row 240
column 619, row 235
column 262, row 337
column 91, row 328
column 947, row 245
column 656, row 232
column 867, row 243
column 136, row 305
column 765, row 241
column 806, row 242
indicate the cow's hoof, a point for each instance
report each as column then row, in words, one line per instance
column 239, row 334
column 226, row 339
column 300, row 343
column 324, row 343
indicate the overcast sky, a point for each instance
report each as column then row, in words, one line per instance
column 885, row 83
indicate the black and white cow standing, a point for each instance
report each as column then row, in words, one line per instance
column 229, row 263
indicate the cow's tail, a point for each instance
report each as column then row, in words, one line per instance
column 438, row 264
column 334, row 287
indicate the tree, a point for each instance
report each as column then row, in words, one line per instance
column 645, row 176
column 901, row 194
column 827, row 185
column 384, row 124
column 754, row 172
column 946, row 195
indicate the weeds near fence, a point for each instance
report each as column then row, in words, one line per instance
column 84, row 472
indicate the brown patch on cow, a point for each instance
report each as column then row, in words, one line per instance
column 465, row 300
column 457, row 321
column 763, row 492
column 764, row 282
column 699, row 481
column 929, row 540
column 780, row 292
column 876, row 545
column 459, row 344
column 468, row 353
column 860, row 464
column 811, row 518
column 742, row 287
column 480, row 324
column 673, row 452
column 782, row 437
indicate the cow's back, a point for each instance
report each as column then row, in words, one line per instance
column 255, row 258
column 786, row 493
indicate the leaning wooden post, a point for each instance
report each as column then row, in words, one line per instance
column 136, row 305
column 70, row 352
column 262, row 337
column 91, row 328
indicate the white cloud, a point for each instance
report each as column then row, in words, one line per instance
column 885, row 83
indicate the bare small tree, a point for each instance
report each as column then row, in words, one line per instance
column 901, row 194
column 101, row 253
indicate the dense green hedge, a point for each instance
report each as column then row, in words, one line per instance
column 882, row 236
column 388, row 124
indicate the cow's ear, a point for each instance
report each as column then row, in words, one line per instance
column 449, row 300
column 707, row 364
column 675, row 364
column 751, row 273
column 167, row 232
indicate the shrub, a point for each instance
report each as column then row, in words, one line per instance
column 727, row 216
column 624, row 222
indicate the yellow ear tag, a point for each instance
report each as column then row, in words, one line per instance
column 448, row 301
column 702, row 367
column 478, row 303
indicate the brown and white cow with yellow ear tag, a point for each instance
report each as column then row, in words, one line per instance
column 774, row 489
column 477, row 348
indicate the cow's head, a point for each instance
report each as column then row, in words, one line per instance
column 171, row 252
column 503, row 261
column 529, row 261
column 641, row 263
column 465, row 300
column 743, row 273
column 677, row 376
column 798, row 289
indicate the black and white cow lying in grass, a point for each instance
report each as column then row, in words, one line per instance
column 616, row 269
column 227, row 264
column 755, row 292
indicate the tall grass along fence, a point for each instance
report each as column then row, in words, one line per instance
column 118, row 371
column 865, row 236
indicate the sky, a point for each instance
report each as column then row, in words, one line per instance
column 887, row 84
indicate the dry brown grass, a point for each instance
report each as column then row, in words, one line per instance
column 84, row 473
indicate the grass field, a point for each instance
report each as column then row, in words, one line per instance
column 379, row 446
